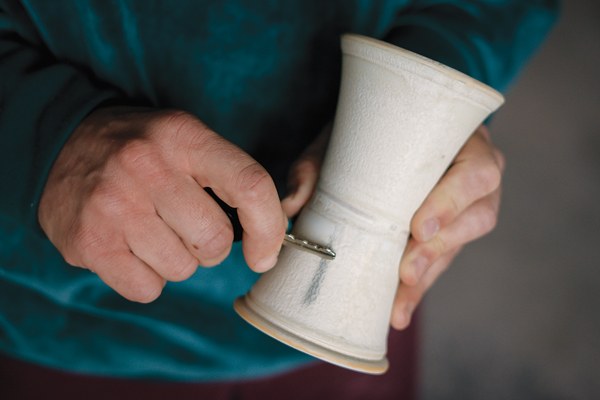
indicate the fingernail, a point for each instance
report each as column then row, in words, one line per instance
column 266, row 263
column 430, row 228
column 419, row 265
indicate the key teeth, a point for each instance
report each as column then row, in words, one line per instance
column 305, row 245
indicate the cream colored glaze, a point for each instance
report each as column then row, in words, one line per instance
column 400, row 121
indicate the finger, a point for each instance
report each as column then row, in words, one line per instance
column 195, row 217
column 305, row 173
column 242, row 183
column 128, row 275
column 156, row 244
column 408, row 297
column 303, row 178
column 499, row 159
column 263, row 221
column 477, row 220
column 474, row 174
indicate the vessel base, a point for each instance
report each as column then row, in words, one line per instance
column 375, row 367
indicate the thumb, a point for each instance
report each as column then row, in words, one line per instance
column 304, row 174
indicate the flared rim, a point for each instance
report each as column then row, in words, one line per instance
column 436, row 71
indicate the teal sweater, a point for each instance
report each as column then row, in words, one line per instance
column 262, row 73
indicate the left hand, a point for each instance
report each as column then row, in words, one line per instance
column 462, row 207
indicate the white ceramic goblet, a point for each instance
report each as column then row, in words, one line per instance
column 400, row 121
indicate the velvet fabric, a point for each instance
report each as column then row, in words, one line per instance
column 316, row 381
column 264, row 74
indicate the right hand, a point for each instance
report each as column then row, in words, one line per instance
column 125, row 200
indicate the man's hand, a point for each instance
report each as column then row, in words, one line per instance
column 461, row 208
column 125, row 199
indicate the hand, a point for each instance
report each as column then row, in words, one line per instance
column 462, row 207
column 125, row 200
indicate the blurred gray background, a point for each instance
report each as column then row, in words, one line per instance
column 517, row 316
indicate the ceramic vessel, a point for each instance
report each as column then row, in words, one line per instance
column 401, row 119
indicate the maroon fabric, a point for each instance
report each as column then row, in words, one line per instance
column 323, row 381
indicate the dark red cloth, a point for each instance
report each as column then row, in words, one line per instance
column 323, row 381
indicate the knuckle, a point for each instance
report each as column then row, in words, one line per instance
column 133, row 151
column 182, row 268
column 170, row 121
column 475, row 183
column 144, row 291
column 185, row 138
column 438, row 247
column 91, row 240
column 140, row 158
column 177, row 119
column 105, row 202
column 488, row 217
column 255, row 183
column 449, row 206
column 183, row 127
column 489, row 177
column 131, row 279
column 172, row 114
column 213, row 243
column 455, row 207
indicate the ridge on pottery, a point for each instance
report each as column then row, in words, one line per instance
column 401, row 120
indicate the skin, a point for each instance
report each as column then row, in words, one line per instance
column 461, row 208
column 125, row 200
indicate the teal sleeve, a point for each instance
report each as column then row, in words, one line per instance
column 41, row 103
column 489, row 40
